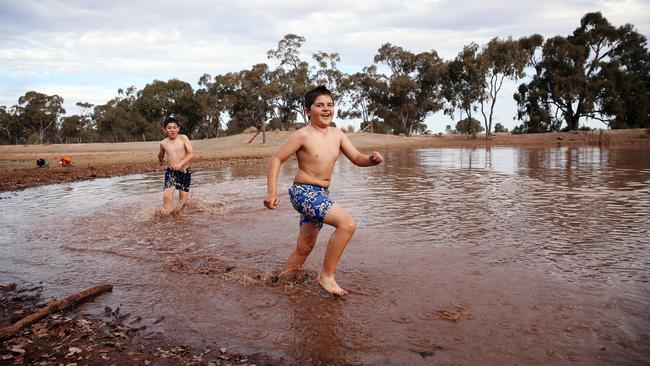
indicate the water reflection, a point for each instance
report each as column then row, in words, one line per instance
column 520, row 244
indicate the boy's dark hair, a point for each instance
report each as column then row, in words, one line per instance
column 170, row 119
column 315, row 93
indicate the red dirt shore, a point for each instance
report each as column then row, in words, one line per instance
column 18, row 169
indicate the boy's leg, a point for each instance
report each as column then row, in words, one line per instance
column 345, row 226
column 168, row 194
column 306, row 241
column 183, row 196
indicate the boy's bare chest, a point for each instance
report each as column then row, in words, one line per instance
column 321, row 149
column 175, row 146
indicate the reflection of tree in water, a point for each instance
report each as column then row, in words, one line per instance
column 582, row 206
column 577, row 207
column 577, row 167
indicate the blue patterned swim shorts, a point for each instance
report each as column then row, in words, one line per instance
column 179, row 179
column 312, row 202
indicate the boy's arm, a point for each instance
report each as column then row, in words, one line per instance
column 293, row 144
column 189, row 150
column 356, row 157
column 161, row 155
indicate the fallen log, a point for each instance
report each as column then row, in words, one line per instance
column 8, row 286
column 53, row 306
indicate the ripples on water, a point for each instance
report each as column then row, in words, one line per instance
column 457, row 252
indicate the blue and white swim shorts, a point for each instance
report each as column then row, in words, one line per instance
column 312, row 202
column 179, row 179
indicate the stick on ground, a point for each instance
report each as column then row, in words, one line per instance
column 53, row 306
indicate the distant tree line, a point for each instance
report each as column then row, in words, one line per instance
column 600, row 72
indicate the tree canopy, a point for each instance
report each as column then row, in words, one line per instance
column 599, row 72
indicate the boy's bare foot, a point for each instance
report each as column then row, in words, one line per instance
column 329, row 284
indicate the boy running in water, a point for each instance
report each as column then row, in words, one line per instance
column 317, row 147
column 175, row 154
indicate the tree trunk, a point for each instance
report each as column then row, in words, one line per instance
column 573, row 122
column 52, row 306
column 264, row 132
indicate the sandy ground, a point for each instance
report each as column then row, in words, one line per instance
column 18, row 168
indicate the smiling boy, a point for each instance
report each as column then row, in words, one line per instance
column 175, row 154
column 317, row 147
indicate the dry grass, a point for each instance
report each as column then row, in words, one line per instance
column 18, row 162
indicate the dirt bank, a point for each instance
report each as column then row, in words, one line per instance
column 18, row 168
column 71, row 337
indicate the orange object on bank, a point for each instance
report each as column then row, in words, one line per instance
column 65, row 161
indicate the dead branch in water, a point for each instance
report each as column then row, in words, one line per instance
column 53, row 306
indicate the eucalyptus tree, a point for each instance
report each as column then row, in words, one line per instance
column 161, row 98
column 292, row 77
column 498, row 127
column 11, row 130
column 39, row 114
column 464, row 82
column 326, row 72
column 500, row 59
column 118, row 119
column 412, row 91
column 250, row 101
column 585, row 75
column 356, row 96
column 469, row 126
column 222, row 90
column 626, row 91
column 72, row 128
column 89, row 129
column 212, row 108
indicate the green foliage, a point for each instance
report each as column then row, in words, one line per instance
column 250, row 102
column 72, row 128
column 119, row 119
column 500, row 59
column 411, row 92
column 357, row 93
column 469, row 126
column 160, row 99
column 292, row 79
column 38, row 113
column 463, row 83
column 375, row 126
column 11, row 130
column 498, row 127
column 598, row 72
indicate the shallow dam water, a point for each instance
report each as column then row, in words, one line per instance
column 461, row 256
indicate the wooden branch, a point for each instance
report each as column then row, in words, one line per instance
column 8, row 286
column 52, row 306
column 253, row 138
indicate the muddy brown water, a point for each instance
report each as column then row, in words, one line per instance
column 461, row 256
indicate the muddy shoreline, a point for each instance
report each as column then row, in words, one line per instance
column 18, row 169
column 73, row 337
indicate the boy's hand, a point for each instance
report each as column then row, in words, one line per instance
column 177, row 166
column 375, row 158
column 271, row 200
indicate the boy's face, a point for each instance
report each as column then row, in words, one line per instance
column 171, row 129
column 321, row 112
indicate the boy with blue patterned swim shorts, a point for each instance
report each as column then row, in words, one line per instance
column 317, row 146
column 175, row 154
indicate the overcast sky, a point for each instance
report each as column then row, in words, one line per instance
column 85, row 50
